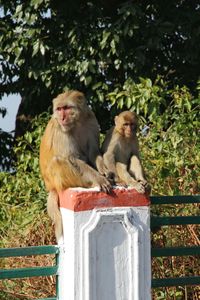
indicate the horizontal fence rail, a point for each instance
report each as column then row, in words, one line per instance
column 163, row 221
column 28, row 272
column 157, row 221
column 167, row 282
column 175, row 199
column 28, row 251
column 31, row 271
column 175, row 251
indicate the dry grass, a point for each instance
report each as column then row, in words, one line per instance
column 41, row 233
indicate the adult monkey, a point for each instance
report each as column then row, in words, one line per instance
column 69, row 151
column 121, row 152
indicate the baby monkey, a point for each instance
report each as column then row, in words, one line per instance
column 121, row 153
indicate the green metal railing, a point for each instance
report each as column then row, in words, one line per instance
column 175, row 251
column 31, row 271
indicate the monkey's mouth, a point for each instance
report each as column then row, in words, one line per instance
column 64, row 122
column 67, row 120
column 128, row 135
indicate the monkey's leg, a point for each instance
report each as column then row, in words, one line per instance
column 128, row 179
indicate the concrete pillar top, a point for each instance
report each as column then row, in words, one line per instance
column 81, row 199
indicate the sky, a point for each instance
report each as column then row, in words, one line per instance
column 11, row 103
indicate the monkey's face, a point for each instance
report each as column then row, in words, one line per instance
column 68, row 108
column 128, row 128
column 126, row 124
column 67, row 116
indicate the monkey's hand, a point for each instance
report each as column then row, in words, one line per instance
column 111, row 177
column 138, row 186
column 114, row 179
column 104, row 184
column 143, row 182
column 146, row 186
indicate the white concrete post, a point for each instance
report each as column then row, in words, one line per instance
column 106, row 250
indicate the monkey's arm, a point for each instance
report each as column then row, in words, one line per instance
column 111, row 172
column 72, row 172
column 109, row 161
column 136, row 169
column 93, row 146
column 109, row 148
column 107, row 140
column 95, row 156
column 91, row 176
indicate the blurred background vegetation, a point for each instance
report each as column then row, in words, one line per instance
column 136, row 55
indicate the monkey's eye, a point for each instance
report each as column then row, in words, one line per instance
column 134, row 126
column 66, row 107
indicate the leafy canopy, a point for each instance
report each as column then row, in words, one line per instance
column 95, row 46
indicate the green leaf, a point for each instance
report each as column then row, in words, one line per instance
column 88, row 80
column 18, row 8
column 106, row 35
column 42, row 49
column 128, row 102
column 36, row 48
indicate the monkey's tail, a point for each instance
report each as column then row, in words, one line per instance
column 54, row 213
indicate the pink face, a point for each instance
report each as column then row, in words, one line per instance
column 64, row 114
column 129, row 128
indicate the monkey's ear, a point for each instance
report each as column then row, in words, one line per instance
column 116, row 118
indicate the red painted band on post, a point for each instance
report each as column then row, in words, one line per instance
column 88, row 199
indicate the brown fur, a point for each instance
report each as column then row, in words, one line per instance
column 121, row 152
column 69, row 153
